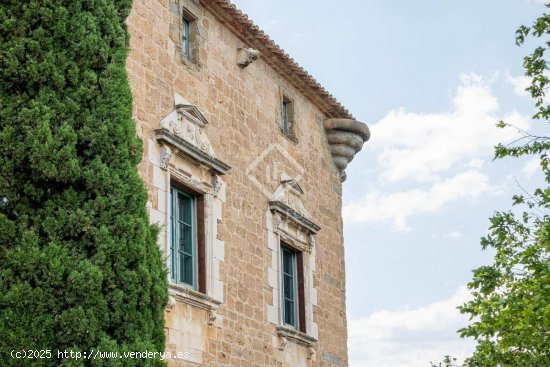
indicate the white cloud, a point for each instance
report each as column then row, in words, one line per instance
column 531, row 166
column 424, row 146
column 409, row 337
column 520, row 83
column 475, row 163
column 399, row 206
column 454, row 234
column 433, row 159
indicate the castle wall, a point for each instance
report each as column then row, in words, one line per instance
column 235, row 322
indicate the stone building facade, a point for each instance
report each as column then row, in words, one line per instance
column 244, row 158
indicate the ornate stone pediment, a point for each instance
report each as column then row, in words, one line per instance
column 293, row 185
column 289, row 192
column 286, row 201
column 183, row 131
column 192, row 113
column 187, row 122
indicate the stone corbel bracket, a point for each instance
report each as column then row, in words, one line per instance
column 170, row 304
column 345, row 138
column 311, row 352
column 246, row 56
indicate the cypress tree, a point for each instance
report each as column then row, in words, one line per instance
column 80, row 268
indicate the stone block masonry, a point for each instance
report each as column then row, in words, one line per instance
column 204, row 121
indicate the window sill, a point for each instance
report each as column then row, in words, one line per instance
column 290, row 136
column 189, row 62
column 296, row 336
column 190, row 296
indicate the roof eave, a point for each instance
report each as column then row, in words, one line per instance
column 276, row 57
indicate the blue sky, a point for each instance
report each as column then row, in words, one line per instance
column 431, row 78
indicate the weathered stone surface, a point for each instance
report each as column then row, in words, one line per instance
column 240, row 106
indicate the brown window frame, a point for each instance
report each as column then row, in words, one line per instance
column 201, row 283
column 300, row 288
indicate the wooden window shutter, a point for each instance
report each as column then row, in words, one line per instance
column 301, row 295
column 201, row 251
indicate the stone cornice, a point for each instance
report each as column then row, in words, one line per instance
column 184, row 147
column 294, row 217
column 276, row 57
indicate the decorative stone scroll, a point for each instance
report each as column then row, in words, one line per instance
column 345, row 138
column 211, row 316
column 165, row 155
column 170, row 304
column 311, row 352
column 283, row 343
column 216, row 186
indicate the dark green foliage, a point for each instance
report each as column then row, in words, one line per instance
column 79, row 264
column 510, row 310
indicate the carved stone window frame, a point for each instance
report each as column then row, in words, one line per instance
column 181, row 153
column 286, row 226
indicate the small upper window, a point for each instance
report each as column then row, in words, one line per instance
column 288, row 115
column 184, row 31
column 185, row 39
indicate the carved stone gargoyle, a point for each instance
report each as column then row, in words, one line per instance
column 245, row 56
